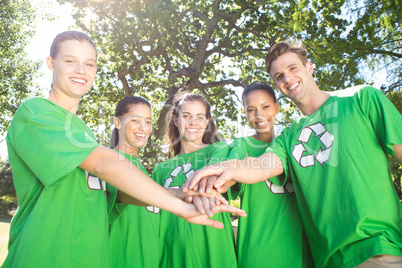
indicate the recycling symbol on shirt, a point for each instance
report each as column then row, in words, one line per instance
column 183, row 169
column 322, row 156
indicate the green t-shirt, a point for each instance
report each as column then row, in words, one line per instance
column 134, row 240
column 62, row 219
column 336, row 159
column 188, row 245
column 272, row 234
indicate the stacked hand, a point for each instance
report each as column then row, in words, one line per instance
column 192, row 215
column 207, row 203
column 202, row 192
column 213, row 177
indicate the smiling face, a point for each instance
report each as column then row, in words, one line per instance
column 261, row 110
column 134, row 127
column 74, row 69
column 292, row 78
column 191, row 121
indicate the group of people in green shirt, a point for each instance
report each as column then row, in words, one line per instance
column 318, row 195
column 335, row 156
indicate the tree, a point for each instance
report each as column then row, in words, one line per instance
column 17, row 72
column 160, row 49
column 7, row 191
column 376, row 38
column 396, row 168
column 6, row 180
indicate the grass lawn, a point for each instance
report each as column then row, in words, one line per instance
column 4, row 228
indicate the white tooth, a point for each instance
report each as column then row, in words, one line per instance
column 293, row 87
column 78, row 80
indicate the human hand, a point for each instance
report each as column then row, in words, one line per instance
column 205, row 205
column 215, row 176
column 190, row 213
column 211, row 194
column 206, row 185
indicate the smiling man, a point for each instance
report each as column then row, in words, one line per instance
column 336, row 156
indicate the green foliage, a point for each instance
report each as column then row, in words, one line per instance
column 7, row 204
column 7, row 191
column 376, row 38
column 160, row 49
column 16, row 71
column 6, row 180
column 396, row 168
column 235, row 203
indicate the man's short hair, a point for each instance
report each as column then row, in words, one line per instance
column 281, row 48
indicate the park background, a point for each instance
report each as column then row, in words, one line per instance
column 160, row 49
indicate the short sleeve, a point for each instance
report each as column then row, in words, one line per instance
column 277, row 147
column 51, row 142
column 219, row 152
column 238, row 150
column 156, row 174
column 384, row 117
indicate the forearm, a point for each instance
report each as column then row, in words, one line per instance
column 182, row 196
column 178, row 193
column 119, row 172
column 133, row 182
column 252, row 170
column 249, row 170
column 127, row 199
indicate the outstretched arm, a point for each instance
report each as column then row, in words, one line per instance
column 248, row 170
column 128, row 199
column 107, row 165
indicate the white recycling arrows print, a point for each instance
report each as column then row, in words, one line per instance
column 153, row 209
column 182, row 168
column 275, row 189
column 322, row 156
